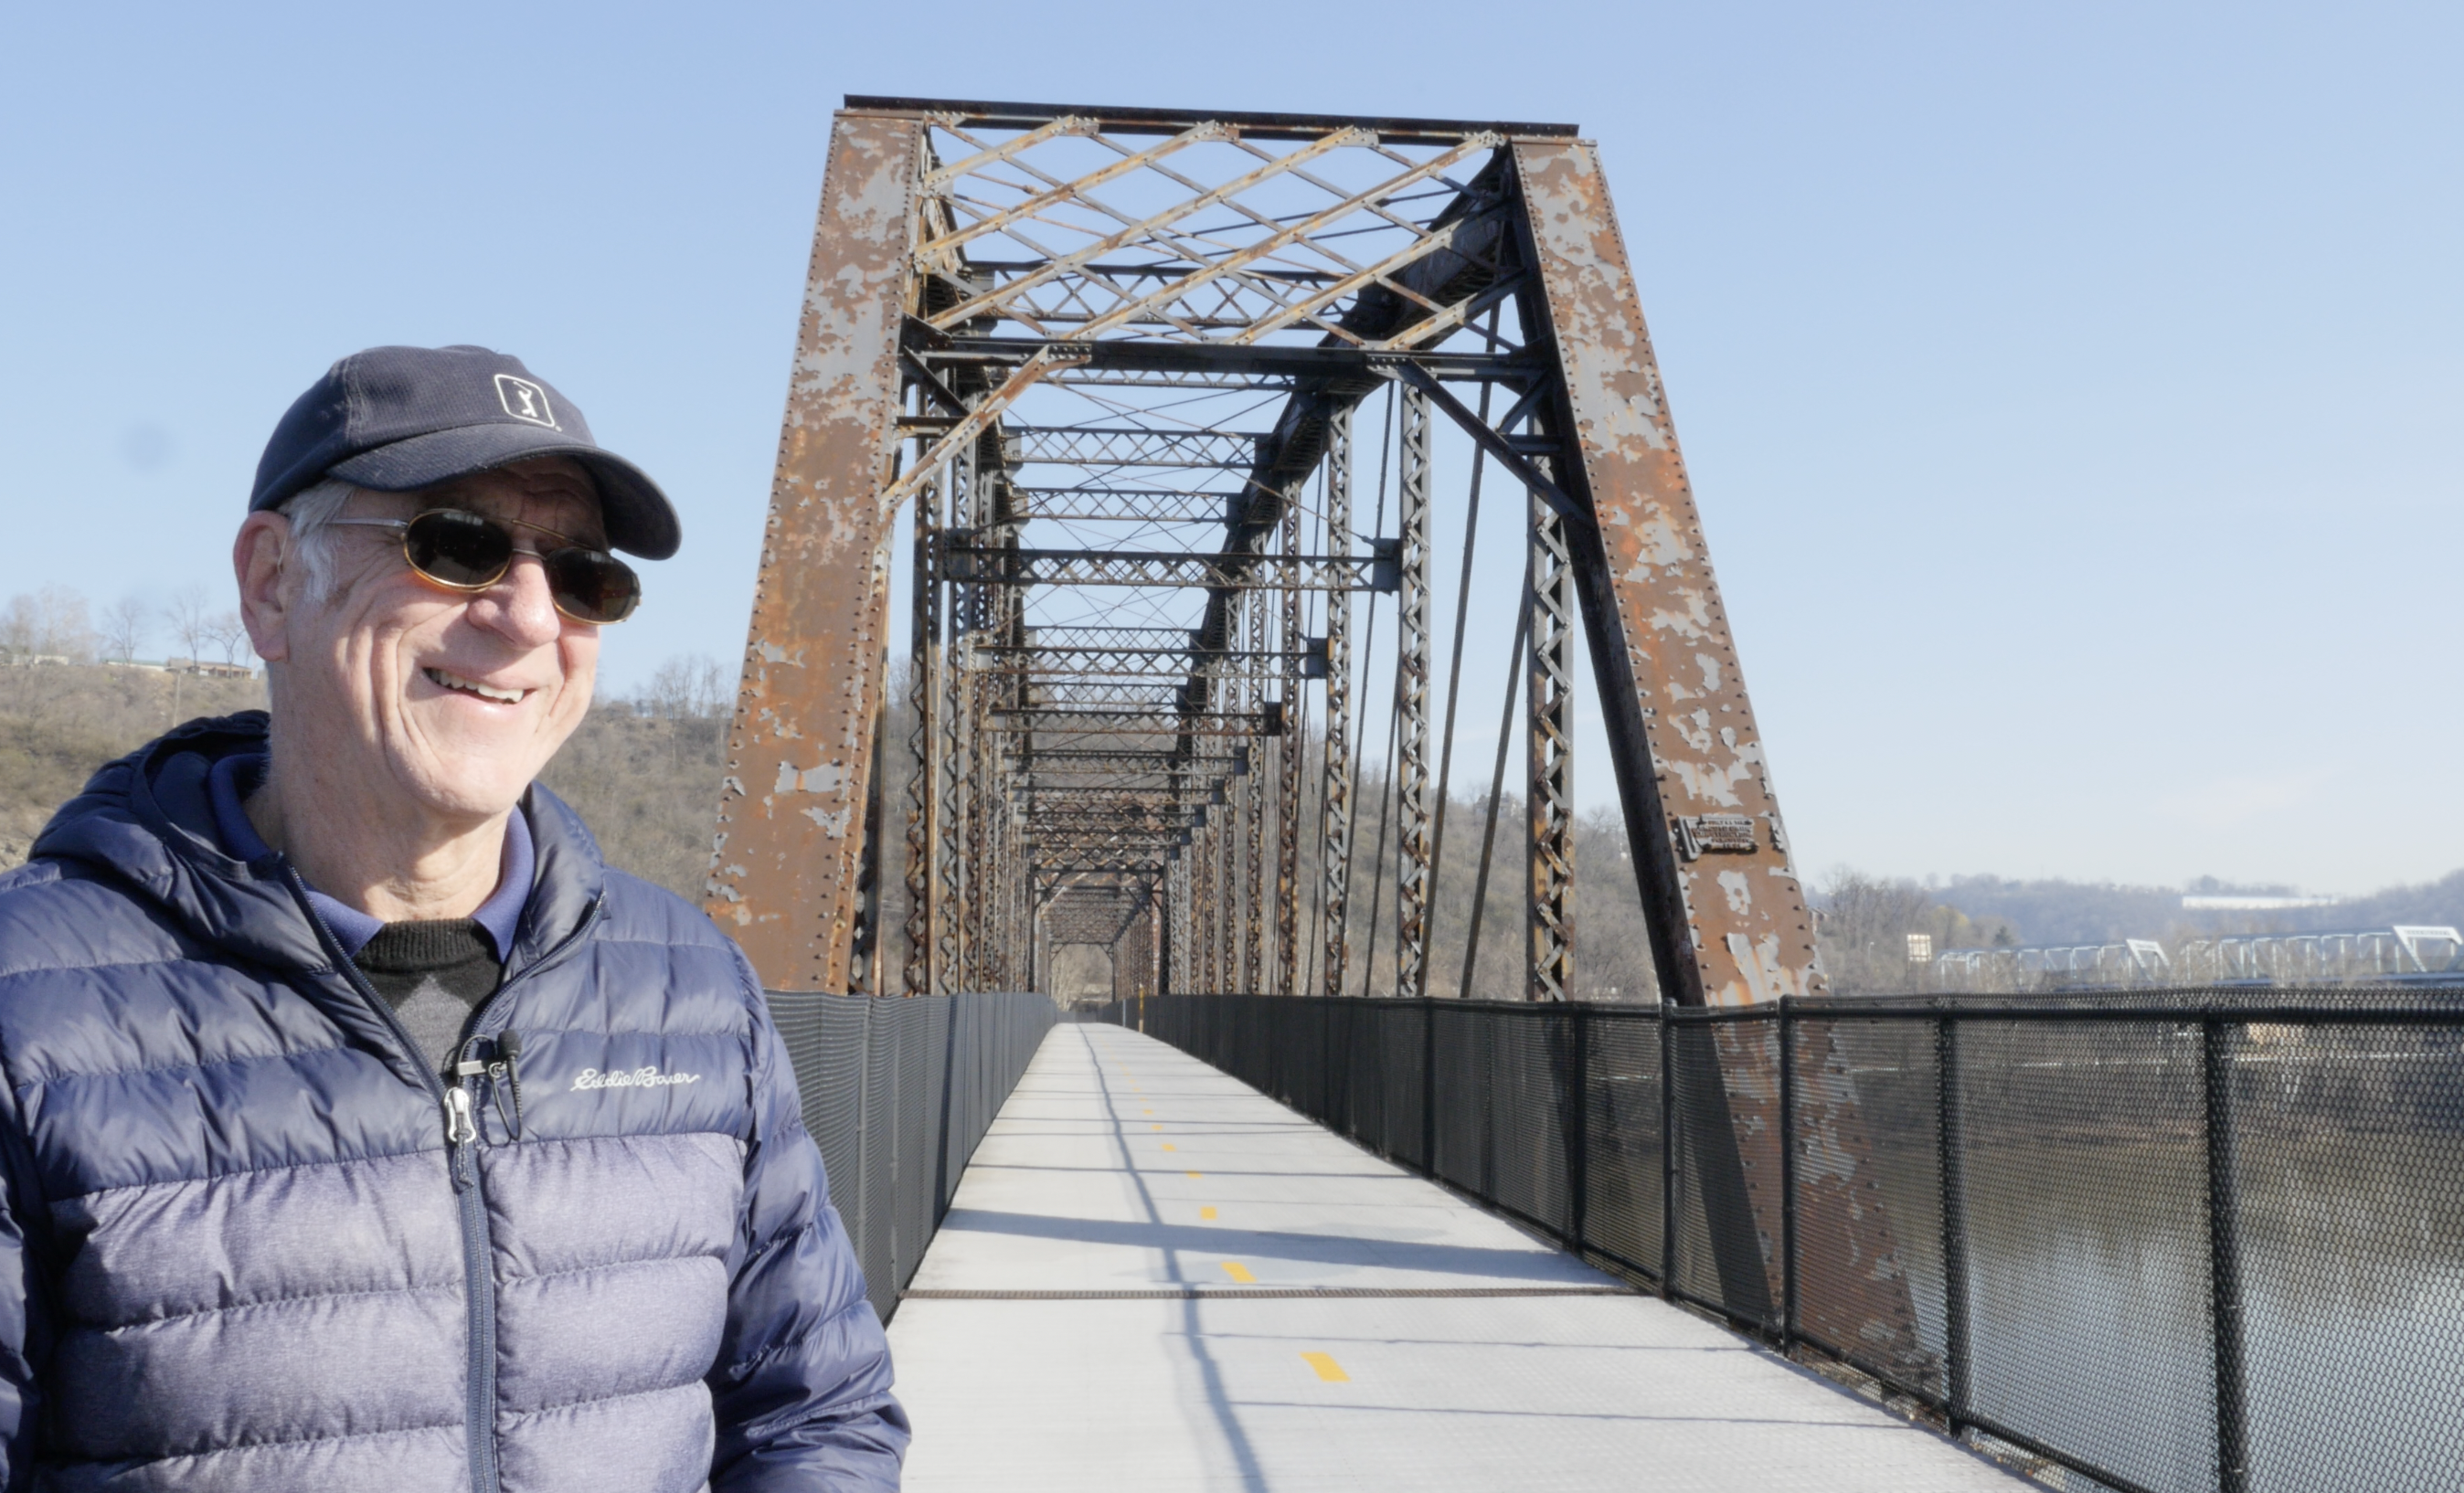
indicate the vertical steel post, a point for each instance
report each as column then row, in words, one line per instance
column 782, row 878
column 974, row 774
column 1337, row 785
column 1577, row 1125
column 1202, row 909
column 1412, row 646
column 1429, row 1085
column 1669, row 1160
column 1166, row 973
column 1951, row 1162
column 1226, row 818
column 2224, row 1262
column 1253, row 955
column 923, row 738
column 1786, row 1018
column 956, row 707
column 1295, row 753
column 1549, row 797
column 864, row 950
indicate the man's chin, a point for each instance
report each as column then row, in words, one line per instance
column 463, row 767
column 469, row 786
column 462, row 805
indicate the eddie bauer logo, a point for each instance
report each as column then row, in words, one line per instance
column 636, row 1078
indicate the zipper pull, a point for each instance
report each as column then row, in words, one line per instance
column 460, row 1126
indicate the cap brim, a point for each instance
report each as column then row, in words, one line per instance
column 639, row 519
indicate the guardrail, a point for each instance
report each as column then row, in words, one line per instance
column 898, row 1093
column 2175, row 1240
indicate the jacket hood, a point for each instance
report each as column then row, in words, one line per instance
column 146, row 820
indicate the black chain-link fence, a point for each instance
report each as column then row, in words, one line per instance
column 898, row 1093
column 2176, row 1240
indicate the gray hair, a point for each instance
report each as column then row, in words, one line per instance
column 312, row 512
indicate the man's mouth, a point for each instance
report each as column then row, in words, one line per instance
column 486, row 691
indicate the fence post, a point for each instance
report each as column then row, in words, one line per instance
column 1787, row 1174
column 2224, row 1264
column 1951, row 1162
column 1578, row 1129
column 1667, row 1158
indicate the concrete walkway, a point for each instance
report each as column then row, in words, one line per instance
column 1121, row 1166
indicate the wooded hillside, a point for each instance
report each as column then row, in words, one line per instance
column 644, row 772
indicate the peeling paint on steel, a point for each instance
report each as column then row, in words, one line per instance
column 1748, row 933
column 787, row 885
column 1696, row 717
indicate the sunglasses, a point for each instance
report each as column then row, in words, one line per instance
column 464, row 552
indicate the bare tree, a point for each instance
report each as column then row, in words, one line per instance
column 49, row 623
column 687, row 686
column 189, row 621
column 124, row 628
column 19, row 627
column 225, row 631
column 1863, row 923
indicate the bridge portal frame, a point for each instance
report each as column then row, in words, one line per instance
column 1726, row 914
column 913, row 354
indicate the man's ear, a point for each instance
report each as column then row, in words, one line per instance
column 262, row 558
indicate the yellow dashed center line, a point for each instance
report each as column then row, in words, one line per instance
column 1169, row 1145
column 1327, row 1368
column 1194, row 1175
column 1240, row 1273
column 1155, row 1126
column 1207, row 1214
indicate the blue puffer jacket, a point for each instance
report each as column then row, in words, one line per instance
column 240, row 1253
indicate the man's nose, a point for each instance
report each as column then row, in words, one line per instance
column 518, row 608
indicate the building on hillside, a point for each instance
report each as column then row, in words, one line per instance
column 206, row 671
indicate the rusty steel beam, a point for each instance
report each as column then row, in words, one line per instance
column 1726, row 913
column 783, row 875
column 924, row 754
column 1413, row 864
column 1675, row 702
column 1147, row 569
column 1294, row 751
column 1548, row 760
column 1335, row 791
column 1127, row 121
column 1254, row 803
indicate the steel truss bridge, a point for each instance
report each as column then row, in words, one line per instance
column 1138, row 410
column 2404, row 952
column 1151, row 397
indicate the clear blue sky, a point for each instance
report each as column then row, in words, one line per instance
column 2073, row 390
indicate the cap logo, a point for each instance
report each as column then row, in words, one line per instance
column 525, row 401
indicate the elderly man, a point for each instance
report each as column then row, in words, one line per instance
column 362, row 1129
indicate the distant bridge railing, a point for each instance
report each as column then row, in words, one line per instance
column 2178, row 1239
column 2405, row 951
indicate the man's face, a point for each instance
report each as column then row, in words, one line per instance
column 452, row 700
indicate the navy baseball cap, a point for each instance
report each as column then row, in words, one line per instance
column 393, row 419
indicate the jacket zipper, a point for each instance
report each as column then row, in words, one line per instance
column 461, row 1140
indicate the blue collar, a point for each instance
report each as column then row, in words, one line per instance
column 234, row 777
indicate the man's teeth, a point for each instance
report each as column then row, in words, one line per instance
column 473, row 686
